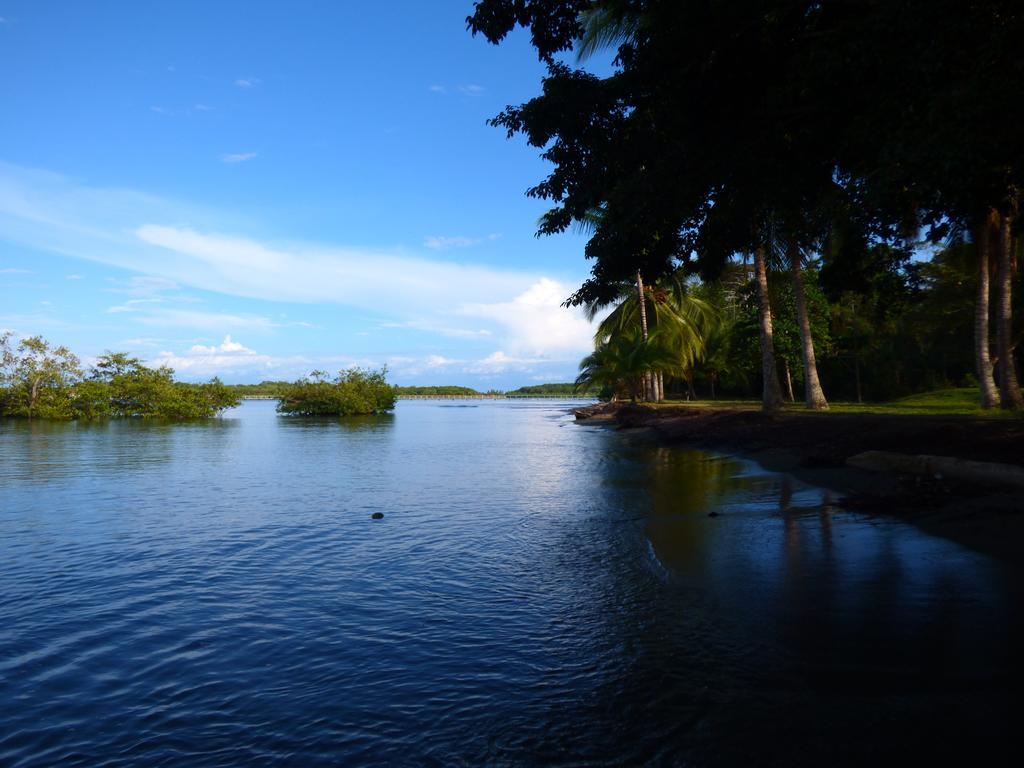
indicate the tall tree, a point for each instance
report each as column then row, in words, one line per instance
column 1009, row 389
column 983, row 360
column 771, row 399
column 813, row 394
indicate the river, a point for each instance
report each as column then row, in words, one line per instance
column 538, row 592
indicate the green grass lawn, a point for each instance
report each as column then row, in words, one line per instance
column 941, row 402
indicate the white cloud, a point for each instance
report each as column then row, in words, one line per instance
column 162, row 111
column 438, row 89
column 14, row 271
column 227, row 346
column 472, row 89
column 202, row 108
column 439, row 361
column 228, row 357
column 500, row 362
column 237, row 157
column 247, row 82
column 536, row 324
column 74, row 277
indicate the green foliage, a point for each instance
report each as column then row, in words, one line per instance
column 441, row 391
column 45, row 382
column 265, row 390
column 620, row 362
column 352, row 392
column 548, row 390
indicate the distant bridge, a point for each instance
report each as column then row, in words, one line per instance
column 494, row 397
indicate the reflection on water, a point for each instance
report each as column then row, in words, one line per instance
column 538, row 592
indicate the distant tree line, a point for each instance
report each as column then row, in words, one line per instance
column 441, row 391
column 265, row 390
column 567, row 389
column 40, row 381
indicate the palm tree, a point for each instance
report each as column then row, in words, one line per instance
column 771, row 398
column 717, row 357
column 1009, row 389
column 668, row 308
column 982, row 355
column 813, row 394
column 606, row 24
column 621, row 361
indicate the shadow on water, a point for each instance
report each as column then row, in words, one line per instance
column 790, row 622
column 381, row 422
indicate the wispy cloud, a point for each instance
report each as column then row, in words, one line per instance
column 437, row 89
column 14, row 271
column 166, row 111
column 132, row 305
column 442, row 330
column 517, row 311
column 237, row 157
column 74, row 277
column 214, row 322
column 247, row 82
column 444, row 242
column 471, row 89
column 142, row 286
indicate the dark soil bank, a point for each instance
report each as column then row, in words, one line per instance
column 988, row 517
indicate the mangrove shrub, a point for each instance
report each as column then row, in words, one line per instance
column 40, row 381
column 351, row 393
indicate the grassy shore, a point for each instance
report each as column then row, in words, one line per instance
column 943, row 402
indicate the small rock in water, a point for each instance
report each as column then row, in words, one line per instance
column 712, row 513
column 377, row 515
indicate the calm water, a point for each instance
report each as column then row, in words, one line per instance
column 538, row 592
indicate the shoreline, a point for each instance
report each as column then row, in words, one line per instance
column 984, row 516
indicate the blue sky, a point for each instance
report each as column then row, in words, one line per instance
column 259, row 189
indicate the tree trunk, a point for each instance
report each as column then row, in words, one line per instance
column 813, row 394
column 771, row 399
column 648, row 382
column 34, row 396
column 711, row 381
column 661, row 386
column 789, row 380
column 1009, row 390
column 856, row 375
column 982, row 358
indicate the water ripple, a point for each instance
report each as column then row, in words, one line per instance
column 218, row 595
